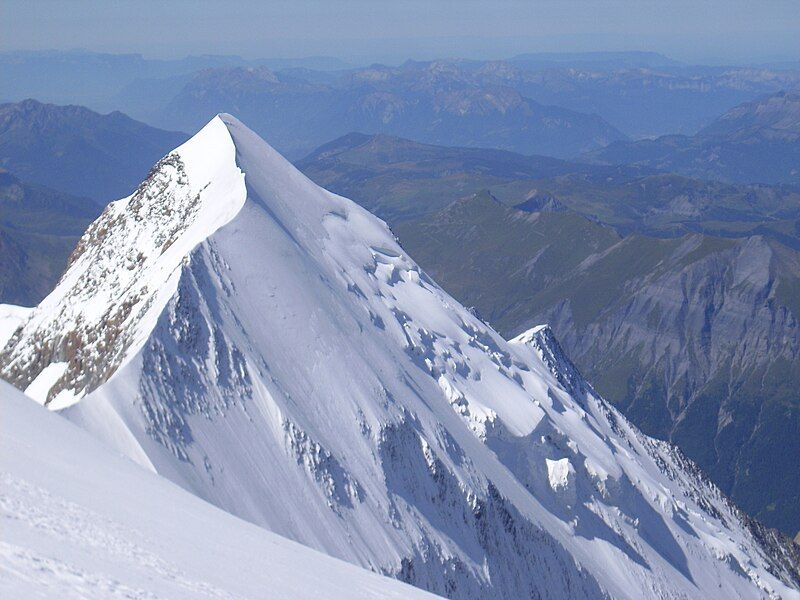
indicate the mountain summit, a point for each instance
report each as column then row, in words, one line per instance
column 268, row 346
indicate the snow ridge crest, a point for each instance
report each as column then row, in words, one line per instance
column 124, row 269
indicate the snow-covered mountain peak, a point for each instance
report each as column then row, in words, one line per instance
column 276, row 352
column 128, row 263
column 124, row 269
column 547, row 347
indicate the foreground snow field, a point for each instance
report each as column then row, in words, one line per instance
column 269, row 347
column 79, row 521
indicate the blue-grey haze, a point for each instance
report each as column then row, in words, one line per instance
column 358, row 30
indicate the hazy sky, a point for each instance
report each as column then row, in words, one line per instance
column 734, row 30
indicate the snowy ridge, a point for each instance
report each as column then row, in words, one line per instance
column 297, row 369
column 693, row 484
column 80, row 522
column 124, row 270
column 542, row 339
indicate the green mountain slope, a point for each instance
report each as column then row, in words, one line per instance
column 400, row 179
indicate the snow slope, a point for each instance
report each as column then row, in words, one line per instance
column 82, row 522
column 268, row 346
column 11, row 317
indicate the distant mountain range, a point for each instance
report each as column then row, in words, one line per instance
column 537, row 61
column 399, row 178
column 640, row 94
column 755, row 142
column 643, row 101
column 95, row 78
column 508, row 96
column 75, row 150
column 437, row 104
